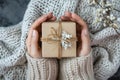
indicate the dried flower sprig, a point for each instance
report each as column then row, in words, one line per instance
column 104, row 15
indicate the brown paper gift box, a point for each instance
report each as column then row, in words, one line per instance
column 52, row 49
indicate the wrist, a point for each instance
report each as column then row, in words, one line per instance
column 85, row 53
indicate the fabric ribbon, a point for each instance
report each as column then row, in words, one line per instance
column 56, row 38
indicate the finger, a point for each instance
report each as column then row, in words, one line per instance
column 65, row 18
column 52, row 19
column 76, row 18
column 79, row 20
column 35, row 25
column 41, row 19
column 35, row 40
column 85, row 43
column 85, row 49
column 35, row 49
column 68, row 14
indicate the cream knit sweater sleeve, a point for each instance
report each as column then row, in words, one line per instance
column 41, row 69
column 80, row 68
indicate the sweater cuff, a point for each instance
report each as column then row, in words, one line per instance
column 85, row 57
column 41, row 69
column 80, row 68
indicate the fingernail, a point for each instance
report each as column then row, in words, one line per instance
column 50, row 13
column 85, row 32
column 33, row 33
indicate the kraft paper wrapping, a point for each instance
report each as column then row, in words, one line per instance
column 52, row 49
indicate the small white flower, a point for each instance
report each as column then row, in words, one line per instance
column 104, row 24
column 99, row 10
column 108, row 17
column 100, row 19
column 66, row 46
column 109, row 9
column 106, row 9
column 112, row 17
column 104, row 12
column 65, row 36
column 68, row 36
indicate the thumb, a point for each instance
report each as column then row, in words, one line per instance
column 85, row 43
column 35, row 49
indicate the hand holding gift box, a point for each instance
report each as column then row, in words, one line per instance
column 83, row 43
column 59, row 38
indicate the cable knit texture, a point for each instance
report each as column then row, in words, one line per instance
column 80, row 68
column 41, row 69
column 105, row 40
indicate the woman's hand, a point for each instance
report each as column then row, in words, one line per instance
column 33, row 39
column 34, row 35
column 80, row 67
column 82, row 33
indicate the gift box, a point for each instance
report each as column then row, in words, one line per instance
column 58, row 39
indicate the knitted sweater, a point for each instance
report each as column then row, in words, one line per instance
column 105, row 39
column 80, row 68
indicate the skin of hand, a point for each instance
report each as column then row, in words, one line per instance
column 35, row 32
column 83, row 47
column 34, row 35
